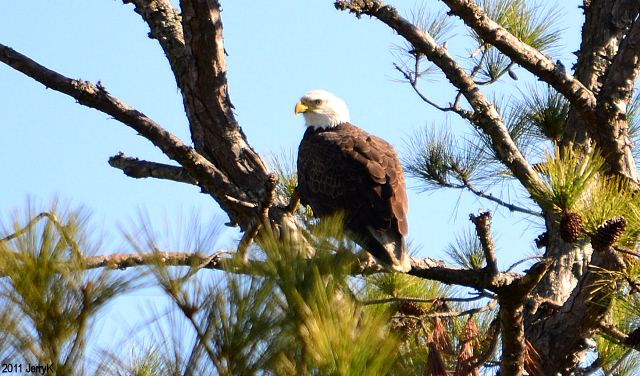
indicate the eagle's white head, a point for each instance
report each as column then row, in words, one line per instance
column 322, row 109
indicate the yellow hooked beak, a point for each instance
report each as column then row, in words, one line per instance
column 300, row 108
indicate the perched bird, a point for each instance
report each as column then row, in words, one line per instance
column 343, row 169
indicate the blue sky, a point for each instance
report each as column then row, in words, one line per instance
column 278, row 50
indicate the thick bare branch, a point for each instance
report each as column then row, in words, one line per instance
column 525, row 55
column 611, row 130
column 139, row 169
column 214, row 129
column 485, row 115
column 87, row 94
column 193, row 43
column 421, row 267
column 166, row 27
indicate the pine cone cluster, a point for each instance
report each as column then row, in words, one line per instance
column 571, row 227
column 608, row 233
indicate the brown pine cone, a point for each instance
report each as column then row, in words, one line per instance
column 608, row 233
column 571, row 227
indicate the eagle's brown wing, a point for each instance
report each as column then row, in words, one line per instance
column 346, row 170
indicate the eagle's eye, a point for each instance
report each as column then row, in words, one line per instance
column 317, row 102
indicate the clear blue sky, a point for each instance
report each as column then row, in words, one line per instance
column 51, row 146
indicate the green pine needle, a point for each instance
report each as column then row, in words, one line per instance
column 467, row 251
column 437, row 160
column 47, row 299
column 531, row 22
column 568, row 175
column 543, row 113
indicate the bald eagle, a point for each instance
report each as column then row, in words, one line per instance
column 343, row 169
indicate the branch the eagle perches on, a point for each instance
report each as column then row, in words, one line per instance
column 223, row 165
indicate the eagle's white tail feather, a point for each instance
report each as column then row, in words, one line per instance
column 394, row 247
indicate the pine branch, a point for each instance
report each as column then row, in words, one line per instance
column 612, row 332
column 485, row 115
column 525, row 55
column 56, row 222
column 466, row 183
column 413, row 81
column 417, row 300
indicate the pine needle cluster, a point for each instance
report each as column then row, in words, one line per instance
column 568, row 174
column 530, row 22
column 47, row 299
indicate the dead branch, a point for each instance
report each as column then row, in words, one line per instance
column 413, row 81
column 140, row 169
column 472, row 311
column 466, row 184
column 483, row 231
column 208, row 175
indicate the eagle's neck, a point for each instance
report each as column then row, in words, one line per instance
column 313, row 130
column 327, row 116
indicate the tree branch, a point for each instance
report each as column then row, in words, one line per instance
column 525, row 55
column 209, row 176
column 413, row 81
column 467, row 184
column 193, row 43
column 123, row 261
column 485, row 116
column 612, row 129
column 483, row 230
column 140, row 169
column 511, row 316
column 471, row 311
column 165, row 24
column 417, row 300
column 214, row 130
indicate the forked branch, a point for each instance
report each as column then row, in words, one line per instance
column 209, row 176
column 525, row 55
column 485, row 115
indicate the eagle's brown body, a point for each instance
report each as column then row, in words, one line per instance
column 343, row 169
